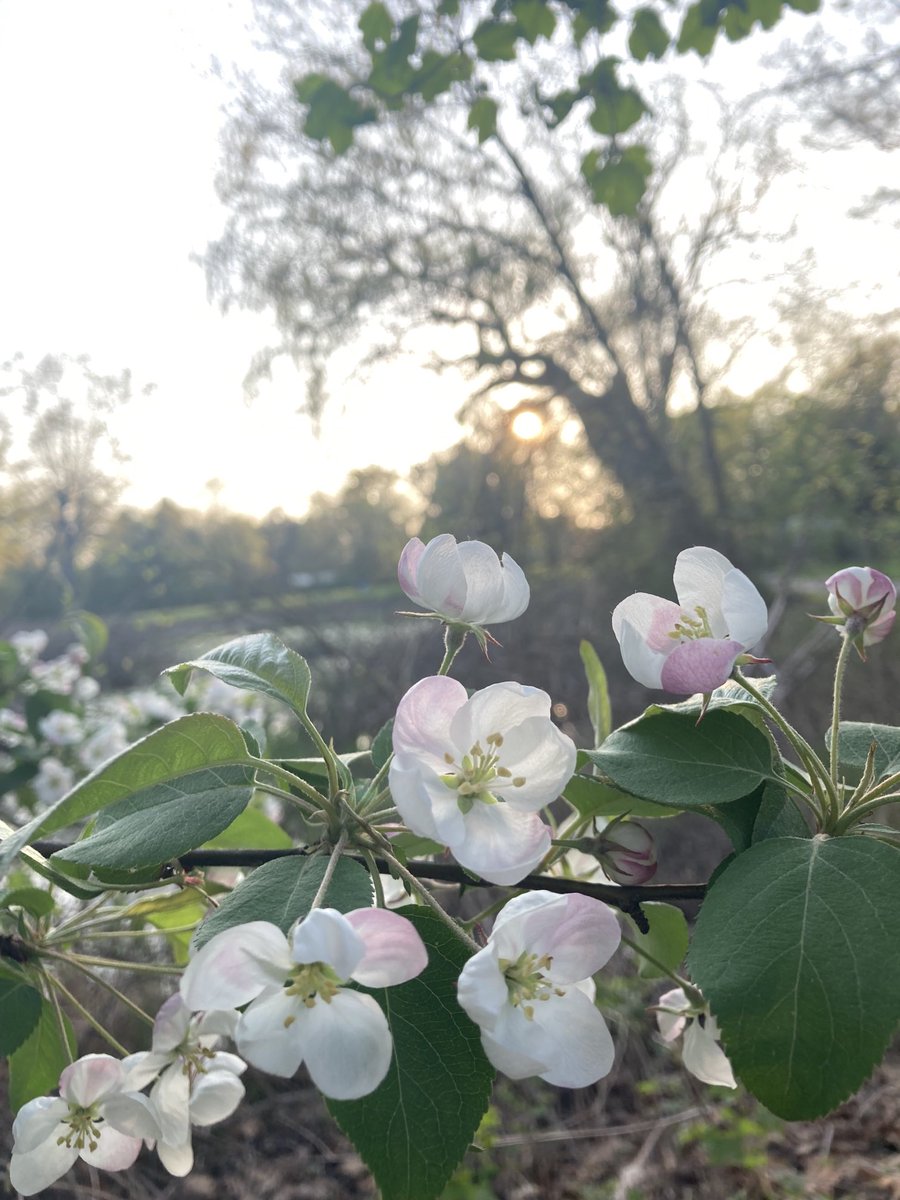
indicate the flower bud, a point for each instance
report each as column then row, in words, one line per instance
column 862, row 602
column 627, row 853
column 465, row 583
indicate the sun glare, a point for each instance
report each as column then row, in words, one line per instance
column 527, row 425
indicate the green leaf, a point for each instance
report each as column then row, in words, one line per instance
column 670, row 759
column 34, row 900
column 667, row 940
column 439, row 72
column 854, row 740
column 778, row 816
column 91, row 632
column 590, row 797
column 35, row 1067
column 251, row 830
column 376, row 26
column 260, row 662
column 730, row 696
column 648, row 37
column 593, row 14
column 20, row 1011
column 617, row 179
column 161, row 823
column 332, row 113
column 599, row 708
column 495, row 41
column 415, row 1127
column 383, row 746
column 796, row 951
column 282, row 891
column 483, row 117
column 41, row 866
column 535, row 18
column 188, row 744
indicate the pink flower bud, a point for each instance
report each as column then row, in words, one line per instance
column 866, row 599
column 627, row 853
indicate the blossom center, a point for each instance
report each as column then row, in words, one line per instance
column 526, row 981
column 478, row 771
column 689, row 629
column 193, row 1055
column 313, row 981
column 84, row 1128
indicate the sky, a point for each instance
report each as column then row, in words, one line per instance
column 110, row 146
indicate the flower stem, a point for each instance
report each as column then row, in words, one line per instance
column 60, row 1021
column 104, row 983
column 834, row 757
column 89, row 1017
column 454, row 640
column 329, row 871
column 822, row 783
column 117, row 964
column 408, row 877
column 689, row 990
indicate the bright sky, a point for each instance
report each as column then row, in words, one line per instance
column 109, row 145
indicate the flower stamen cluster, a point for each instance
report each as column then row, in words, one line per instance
column 314, row 981
column 526, row 980
column 690, row 628
column 85, row 1127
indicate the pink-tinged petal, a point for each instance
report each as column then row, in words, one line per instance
column 583, row 1048
column 642, row 662
column 699, row 582
column 879, row 629
column 411, row 797
column 347, row 1045
column 268, row 1033
column 496, row 709
column 31, row 1173
column 579, row 934
column 408, row 569
column 440, row 578
column 671, row 1025
column 744, row 610
column 500, row 844
column 236, row 965
column 215, row 1096
column 423, row 719
column 90, row 1079
column 543, row 756
column 115, row 1151
column 177, row 1158
column 132, row 1114
column 171, row 1098
column 699, row 666
column 484, row 583
column 651, row 617
column 171, row 1025
column 395, row 952
column 326, row 936
column 704, row 1057
column 482, row 990
column 36, row 1121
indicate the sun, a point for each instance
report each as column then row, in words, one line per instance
column 527, row 425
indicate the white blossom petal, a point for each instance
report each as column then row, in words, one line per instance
column 485, row 593
column 579, row 933
column 699, row 583
column 326, row 936
column 236, row 965
column 177, row 1157
column 215, row 1096
column 440, row 578
column 143, row 1067
column 423, row 719
column 408, row 569
column 37, row 1121
column 516, row 592
column 268, row 1033
column 394, row 949
column 171, row 1025
column 115, row 1151
column 411, row 797
column 481, row 990
column 500, row 844
column 90, row 1079
column 583, row 1050
column 496, row 709
column 704, row 1057
column 170, row 1097
column 543, row 756
column 130, row 1113
column 671, row 1025
column 642, row 662
column 347, row 1045
column 743, row 609
column 32, row 1172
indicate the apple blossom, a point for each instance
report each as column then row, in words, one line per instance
column 465, row 583
column 627, row 853
column 530, row 991
column 96, row 1117
column 691, row 646
column 195, row 1084
column 700, row 1052
column 472, row 774
column 862, row 601
column 299, row 1010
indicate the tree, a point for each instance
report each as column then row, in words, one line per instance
column 418, row 225
column 59, row 488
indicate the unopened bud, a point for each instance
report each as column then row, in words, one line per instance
column 862, row 601
column 627, row 853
